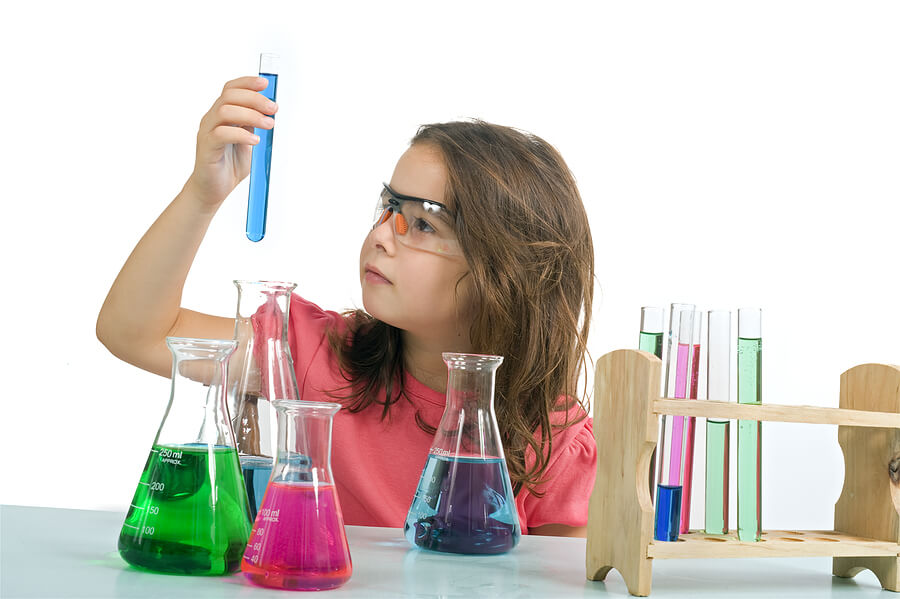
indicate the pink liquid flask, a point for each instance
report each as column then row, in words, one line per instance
column 298, row 541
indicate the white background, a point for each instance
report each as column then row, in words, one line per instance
column 728, row 153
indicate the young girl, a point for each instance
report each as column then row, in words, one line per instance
column 481, row 244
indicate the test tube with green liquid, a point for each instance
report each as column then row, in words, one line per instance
column 651, row 340
column 718, row 388
column 652, row 322
column 749, row 375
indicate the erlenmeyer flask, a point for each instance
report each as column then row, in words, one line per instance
column 262, row 371
column 189, row 514
column 464, row 502
column 298, row 540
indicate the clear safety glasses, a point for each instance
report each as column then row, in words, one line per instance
column 418, row 224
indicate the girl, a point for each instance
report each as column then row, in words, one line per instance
column 481, row 245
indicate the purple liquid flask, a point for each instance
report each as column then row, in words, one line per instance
column 298, row 541
column 464, row 502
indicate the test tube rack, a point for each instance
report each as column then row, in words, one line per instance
column 626, row 429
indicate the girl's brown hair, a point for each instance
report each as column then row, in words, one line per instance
column 525, row 234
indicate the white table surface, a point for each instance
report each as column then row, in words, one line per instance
column 49, row 552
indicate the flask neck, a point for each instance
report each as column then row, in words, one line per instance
column 261, row 369
column 304, row 441
column 269, row 299
column 468, row 427
column 197, row 412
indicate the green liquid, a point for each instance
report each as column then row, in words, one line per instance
column 749, row 441
column 651, row 342
column 189, row 514
column 717, row 446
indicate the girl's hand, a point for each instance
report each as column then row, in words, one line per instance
column 226, row 137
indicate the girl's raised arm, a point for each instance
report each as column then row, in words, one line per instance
column 143, row 306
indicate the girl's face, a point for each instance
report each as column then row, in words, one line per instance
column 408, row 288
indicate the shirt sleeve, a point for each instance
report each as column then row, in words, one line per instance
column 569, row 479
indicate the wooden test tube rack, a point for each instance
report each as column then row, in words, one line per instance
column 626, row 428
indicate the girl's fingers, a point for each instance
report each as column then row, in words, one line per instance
column 248, row 99
column 227, row 134
column 229, row 114
column 249, row 82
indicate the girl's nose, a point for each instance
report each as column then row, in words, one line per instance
column 383, row 235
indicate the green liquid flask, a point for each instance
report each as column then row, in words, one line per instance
column 190, row 513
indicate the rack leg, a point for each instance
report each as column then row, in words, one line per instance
column 887, row 569
column 620, row 519
column 869, row 505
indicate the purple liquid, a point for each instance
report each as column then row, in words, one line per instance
column 464, row 505
column 682, row 364
column 298, row 540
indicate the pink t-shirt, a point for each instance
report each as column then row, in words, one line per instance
column 377, row 463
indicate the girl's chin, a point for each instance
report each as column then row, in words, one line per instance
column 374, row 309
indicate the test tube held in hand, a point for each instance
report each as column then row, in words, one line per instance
column 261, row 159
column 718, row 388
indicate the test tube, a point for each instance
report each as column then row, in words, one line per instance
column 261, row 157
column 749, row 379
column 718, row 387
column 670, row 477
column 690, row 423
column 651, row 340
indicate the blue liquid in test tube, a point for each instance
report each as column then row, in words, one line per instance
column 668, row 512
column 261, row 158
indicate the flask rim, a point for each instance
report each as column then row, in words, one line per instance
column 487, row 360
column 295, row 405
column 180, row 343
column 277, row 285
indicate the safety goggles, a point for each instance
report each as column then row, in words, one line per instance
column 418, row 224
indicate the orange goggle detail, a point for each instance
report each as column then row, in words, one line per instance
column 418, row 223
column 400, row 224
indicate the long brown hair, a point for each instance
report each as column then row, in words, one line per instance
column 525, row 234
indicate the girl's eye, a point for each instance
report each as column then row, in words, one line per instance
column 421, row 225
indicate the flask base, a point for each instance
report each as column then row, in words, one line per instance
column 301, row 581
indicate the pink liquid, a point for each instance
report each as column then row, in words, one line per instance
column 298, row 540
column 689, row 449
column 682, row 361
